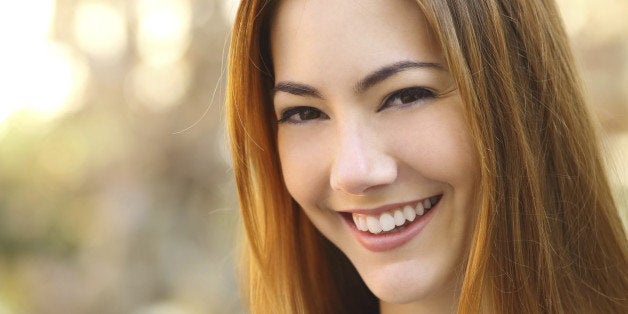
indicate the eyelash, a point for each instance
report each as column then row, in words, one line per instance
column 301, row 110
column 421, row 94
column 418, row 93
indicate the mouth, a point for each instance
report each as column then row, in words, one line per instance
column 389, row 229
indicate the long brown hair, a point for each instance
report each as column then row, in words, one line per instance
column 547, row 239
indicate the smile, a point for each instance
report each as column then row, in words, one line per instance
column 394, row 220
column 387, row 229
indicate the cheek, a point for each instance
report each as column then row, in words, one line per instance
column 304, row 164
column 439, row 148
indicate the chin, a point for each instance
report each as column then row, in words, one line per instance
column 404, row 283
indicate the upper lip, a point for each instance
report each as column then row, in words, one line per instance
column 385, row 208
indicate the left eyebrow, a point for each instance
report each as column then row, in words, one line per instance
column 387, row 71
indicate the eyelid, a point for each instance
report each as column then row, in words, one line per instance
column 288, row 113
column 388, row 97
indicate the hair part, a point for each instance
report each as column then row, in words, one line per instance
column 547, row 238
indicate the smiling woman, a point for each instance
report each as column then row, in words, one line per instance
column 418, row 157
column 378, row 132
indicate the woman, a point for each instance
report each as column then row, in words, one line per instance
column 430, row 157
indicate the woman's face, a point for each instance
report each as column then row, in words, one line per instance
column 373, row 142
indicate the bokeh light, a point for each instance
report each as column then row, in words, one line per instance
column 38, row 74
column 100, row 30
column 159, row 87
column 163, row 30
column 117, row 193
column 33, row 24
column 47, row 79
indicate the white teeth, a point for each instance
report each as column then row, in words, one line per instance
column 419, row 209
column 409, row 213
column 360, row 222
column 399, row 218
column 373, row 225
column 427, row 204
column 387, row 222
column 365, row 227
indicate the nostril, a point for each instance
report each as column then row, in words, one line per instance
column 359, row 181
column 349, row 182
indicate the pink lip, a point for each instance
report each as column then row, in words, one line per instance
column 390, row 241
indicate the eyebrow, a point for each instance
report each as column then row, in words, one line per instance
column 387, row 71
column 297, row 89
column 363, row 85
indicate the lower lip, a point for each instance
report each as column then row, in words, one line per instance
column 389, row 241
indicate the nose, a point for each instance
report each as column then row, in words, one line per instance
column 361, row 162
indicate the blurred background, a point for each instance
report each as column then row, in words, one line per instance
column 116, row 192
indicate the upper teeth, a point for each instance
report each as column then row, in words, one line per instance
column 388, row 220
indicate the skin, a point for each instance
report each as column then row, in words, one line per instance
column 343, row 147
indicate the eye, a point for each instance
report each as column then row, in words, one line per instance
column 407, row 97
column 301, row 114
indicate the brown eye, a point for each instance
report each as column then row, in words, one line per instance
column 301, row 114
column 407, row 96
column 309, row 114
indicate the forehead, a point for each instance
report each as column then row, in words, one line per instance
column 352, row 36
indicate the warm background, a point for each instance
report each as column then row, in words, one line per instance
column 116, row 193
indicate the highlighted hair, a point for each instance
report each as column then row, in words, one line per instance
column 547, row 239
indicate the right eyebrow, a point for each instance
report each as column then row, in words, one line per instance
column 386, row 72
column 297, row 89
